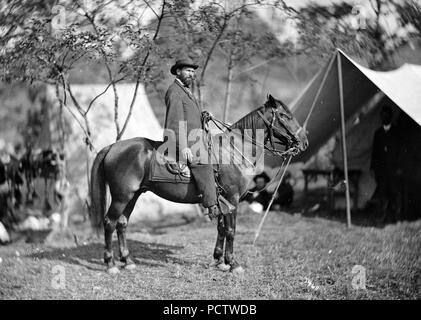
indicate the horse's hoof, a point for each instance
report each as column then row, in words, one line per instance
column 223, row 267
column 129, row 266
column 238, row 270
column 113, row 270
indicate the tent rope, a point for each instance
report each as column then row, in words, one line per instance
column 270, row 203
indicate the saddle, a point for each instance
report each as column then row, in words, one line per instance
column 164, row 169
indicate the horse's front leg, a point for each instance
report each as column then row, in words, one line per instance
column 230, row 225
column 219, row 246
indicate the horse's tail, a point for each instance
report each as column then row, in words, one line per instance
column 98, row 191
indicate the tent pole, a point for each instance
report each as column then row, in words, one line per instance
column 344, row 153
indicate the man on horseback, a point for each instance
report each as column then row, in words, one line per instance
column 184, row 115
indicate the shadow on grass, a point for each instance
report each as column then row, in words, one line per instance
column 360, row 218
column 315, row 204
column 160, row 227
column 90, row 255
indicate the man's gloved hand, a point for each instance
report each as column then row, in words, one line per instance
column 187, row 154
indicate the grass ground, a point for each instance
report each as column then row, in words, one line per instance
column 295, row 258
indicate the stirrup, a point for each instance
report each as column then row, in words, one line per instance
column 225, row 206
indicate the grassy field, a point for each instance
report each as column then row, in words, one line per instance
column 295, row 258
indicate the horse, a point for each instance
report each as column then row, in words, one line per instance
column 124, row 166
column 29, row 161
column 44, row 164
column 11, row 177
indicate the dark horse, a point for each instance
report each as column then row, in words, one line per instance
column 46, row 164
column 11, row 175
column 124, row 166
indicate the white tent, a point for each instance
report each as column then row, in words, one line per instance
column 143, row 123
column 320, row 100
column 341, row 88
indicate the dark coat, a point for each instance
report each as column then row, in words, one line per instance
column 385, row 152
column 255, row 195
column 182, row 106
column 285, row 194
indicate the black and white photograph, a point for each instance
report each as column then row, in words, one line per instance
column 219, row 151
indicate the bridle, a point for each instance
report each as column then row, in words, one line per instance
column 292, row 138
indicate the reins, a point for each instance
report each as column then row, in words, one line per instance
column 284, row 154
column 289, row 152
column 259, row 228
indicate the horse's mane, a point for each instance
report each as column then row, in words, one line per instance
column 246, row 122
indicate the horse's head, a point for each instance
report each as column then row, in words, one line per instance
column 282, row 125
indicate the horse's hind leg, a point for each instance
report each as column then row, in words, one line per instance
column 110, row 224
column 122, row 242
column 121, row 234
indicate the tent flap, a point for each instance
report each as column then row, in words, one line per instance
column 360, row 84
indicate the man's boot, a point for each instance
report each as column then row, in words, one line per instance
column 225, row 206
column 214, row 212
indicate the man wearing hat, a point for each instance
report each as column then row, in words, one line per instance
column 184, row 115
column 386, row 166
column 258, row 193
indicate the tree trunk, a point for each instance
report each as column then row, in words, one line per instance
column 228, row 90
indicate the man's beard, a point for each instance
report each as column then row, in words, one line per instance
column 187, row 81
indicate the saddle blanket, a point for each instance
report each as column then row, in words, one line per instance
column 163, row 169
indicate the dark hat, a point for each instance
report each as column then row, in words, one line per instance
column 181, row 63
column 262, row 175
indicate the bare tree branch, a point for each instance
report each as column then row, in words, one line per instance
column 91, row 19
column 102, row 93
column 150, row 7
column 86, row 132
column 139, row 74
column 210, row 52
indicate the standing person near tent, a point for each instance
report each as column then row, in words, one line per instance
column 411, row 169
column 385, row 165
column 184, row 115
